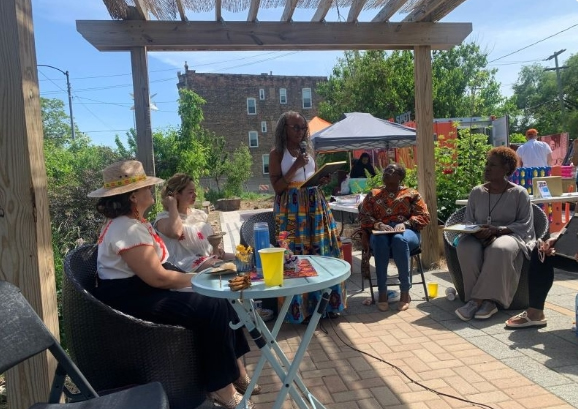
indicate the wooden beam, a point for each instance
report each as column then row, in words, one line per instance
column 218, row 10
column 445, row 9
column 253, row 10
column 388, row 10
column 26, row 244
column 181, row 10
column 142, row 109
column 243, row 36
column 322, row 9
column 426, row 178
column 142, row 10
column 422, row 11
column 288, row 10
column 354, row 10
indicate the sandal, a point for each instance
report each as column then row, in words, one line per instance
column 242, row 384
column 233, row 401
column 526, row 322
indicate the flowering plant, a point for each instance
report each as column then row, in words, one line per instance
column 244, row 254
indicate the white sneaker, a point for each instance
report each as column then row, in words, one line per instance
column 486, row 310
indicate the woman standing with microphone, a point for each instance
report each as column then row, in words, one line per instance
column 303, row 212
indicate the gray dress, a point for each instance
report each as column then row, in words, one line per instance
column 493, row 272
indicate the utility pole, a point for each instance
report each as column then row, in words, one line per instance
column 558, row 79
column 69, row 95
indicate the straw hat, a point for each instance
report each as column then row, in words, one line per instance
column 122, row 177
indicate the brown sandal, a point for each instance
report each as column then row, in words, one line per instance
column 242, row 384
column 232, row 403
column 404, row 301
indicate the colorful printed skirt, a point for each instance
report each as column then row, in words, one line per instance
column 306, row 215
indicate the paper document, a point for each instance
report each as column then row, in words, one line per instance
column 463, row 228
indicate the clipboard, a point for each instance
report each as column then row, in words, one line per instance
column 567, row 243
column 463, row 228
column 325, row 170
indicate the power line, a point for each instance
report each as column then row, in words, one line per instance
column 528, row 46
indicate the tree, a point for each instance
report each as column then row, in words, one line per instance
column 383, row 84
column 55, row 122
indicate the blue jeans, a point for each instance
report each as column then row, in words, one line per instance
column 397, row 246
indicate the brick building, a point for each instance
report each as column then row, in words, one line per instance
column 245, row 109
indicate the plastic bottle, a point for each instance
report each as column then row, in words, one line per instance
column 261, row 241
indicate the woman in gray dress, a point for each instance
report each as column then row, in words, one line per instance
column 491, row 259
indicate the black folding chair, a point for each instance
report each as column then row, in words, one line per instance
column 24, row 335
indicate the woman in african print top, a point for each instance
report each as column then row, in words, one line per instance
column 400, row 210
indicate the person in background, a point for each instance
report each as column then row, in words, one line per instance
column 303, row 212
column 394, row 208
column 131, row 278
column 362, row 165
column 540, row 279
column 534, row 153
column 491, row 259
column 190, row 239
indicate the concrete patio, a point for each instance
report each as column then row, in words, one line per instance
column 417, row 359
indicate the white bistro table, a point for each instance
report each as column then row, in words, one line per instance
column 330, row 271
column 353, row 209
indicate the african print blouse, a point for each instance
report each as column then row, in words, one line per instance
column 391, row 208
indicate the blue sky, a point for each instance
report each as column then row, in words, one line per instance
column 101, row 81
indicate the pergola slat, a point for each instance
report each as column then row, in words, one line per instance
column 141, row 9
column 388, row 10
column 253, row 10
column 322, row 9
column 422, row 11
column 181, row 10
column 445, row 9
column 289, row 10
column 243, row 36
column 354, row 10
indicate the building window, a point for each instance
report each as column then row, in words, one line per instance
column 307, row 104
column 282, row 95
column 253, row 139
column 251, row 106
column 262, row 94
column 265, row 164
column 264, row 126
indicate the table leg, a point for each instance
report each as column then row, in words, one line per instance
column 272, row 353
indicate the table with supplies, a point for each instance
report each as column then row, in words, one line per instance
column 328, row 271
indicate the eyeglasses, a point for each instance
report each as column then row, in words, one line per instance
column 298, row 128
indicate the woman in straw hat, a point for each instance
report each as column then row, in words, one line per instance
column 132, row 279
column 186, row 232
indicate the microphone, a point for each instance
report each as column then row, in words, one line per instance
column 303, row 150
column 303, row 147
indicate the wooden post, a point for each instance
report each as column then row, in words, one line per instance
column 426, row 178
column 142, row 109
column 26, row 258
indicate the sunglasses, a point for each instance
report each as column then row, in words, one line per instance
column 298, row 128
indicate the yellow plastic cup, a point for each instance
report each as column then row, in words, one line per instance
column 432, row 289
column 272, row 262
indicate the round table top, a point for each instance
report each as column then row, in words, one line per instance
column 330, row 271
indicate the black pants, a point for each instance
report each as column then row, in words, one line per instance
column 541, row 276
column 209, row 317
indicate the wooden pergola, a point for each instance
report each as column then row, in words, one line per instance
column 140, row 26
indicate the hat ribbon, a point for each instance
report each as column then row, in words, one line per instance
column 124, row 182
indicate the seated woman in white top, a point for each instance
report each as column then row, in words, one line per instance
column 186, row 232
column 132, row 279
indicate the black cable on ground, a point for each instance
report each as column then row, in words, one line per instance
column 322, row 328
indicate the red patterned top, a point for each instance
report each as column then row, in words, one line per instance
column 390, row 208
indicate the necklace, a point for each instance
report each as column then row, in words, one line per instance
column 491, row 209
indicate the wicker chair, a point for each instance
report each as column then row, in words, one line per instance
column 363, row 237
column 113, row 349
column 521, row 299
column 246, row 232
